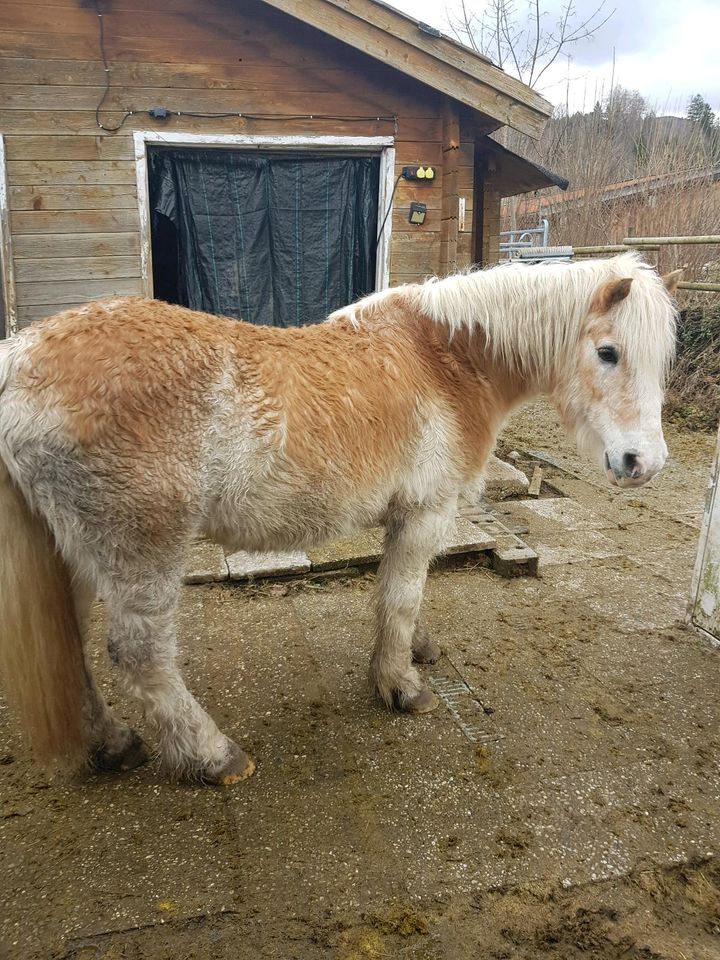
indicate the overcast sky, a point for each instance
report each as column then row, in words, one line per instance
column 666, row 49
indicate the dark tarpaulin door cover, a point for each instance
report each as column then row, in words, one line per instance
column 269, row 238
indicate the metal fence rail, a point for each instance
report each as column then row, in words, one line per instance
column 612, row 248
column 532, row 244
column 653, row 244
column 669, row 241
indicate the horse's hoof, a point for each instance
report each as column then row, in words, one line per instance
column 427, row 652
column 239, row 767
column 424, row 701
column 135, row 754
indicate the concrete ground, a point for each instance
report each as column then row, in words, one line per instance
column 561, row 802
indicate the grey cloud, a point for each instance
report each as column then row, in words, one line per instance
column 636, row 26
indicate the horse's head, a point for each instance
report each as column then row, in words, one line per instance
column 613, row 397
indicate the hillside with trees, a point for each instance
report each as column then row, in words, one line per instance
column 669, row 169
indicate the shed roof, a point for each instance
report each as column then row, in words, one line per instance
column 424, row 53
column 515, row 174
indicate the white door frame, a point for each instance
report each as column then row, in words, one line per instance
column 7, row 267
column 384, row 146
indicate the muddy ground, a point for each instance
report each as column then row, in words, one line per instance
column 567, row 807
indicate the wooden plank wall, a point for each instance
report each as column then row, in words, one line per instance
column 72, row 193
column 491, row 224
column 489, row 187
column 450, row 189
column 465, row 180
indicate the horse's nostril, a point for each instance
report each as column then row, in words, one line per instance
column 632, row 465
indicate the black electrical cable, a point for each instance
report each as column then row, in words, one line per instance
column 213, row 116
column 128, row 113
column 282, row 116
column 387, row 212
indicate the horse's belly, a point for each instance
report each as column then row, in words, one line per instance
column 290, row 513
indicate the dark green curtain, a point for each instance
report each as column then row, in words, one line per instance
column 271, row 238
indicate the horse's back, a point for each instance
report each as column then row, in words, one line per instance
column 162, row 418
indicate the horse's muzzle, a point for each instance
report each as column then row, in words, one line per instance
column 629, row 470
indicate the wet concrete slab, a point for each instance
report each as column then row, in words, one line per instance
column 244, row 566
column 563, row 531
column 363, row 548
column 564, row 511
column 206, row 563
column 468, row 538
column 503, row 480
column 553, row 548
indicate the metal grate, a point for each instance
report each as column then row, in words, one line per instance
column 464, row 708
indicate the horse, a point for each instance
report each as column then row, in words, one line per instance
column 130, row 427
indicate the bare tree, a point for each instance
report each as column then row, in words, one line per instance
column 516, row 34
column 521, row 38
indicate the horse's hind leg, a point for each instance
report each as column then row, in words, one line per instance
column 114, row 746
column 413, row 537
column 142, row 644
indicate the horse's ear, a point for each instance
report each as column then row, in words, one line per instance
column 610, row 294
column 671, row 281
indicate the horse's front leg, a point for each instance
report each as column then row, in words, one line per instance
column 413, row 537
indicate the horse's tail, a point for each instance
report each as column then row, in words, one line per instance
column 41, row 657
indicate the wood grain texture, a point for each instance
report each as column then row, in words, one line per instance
column 8, row 290
column 53, row 148
column 68, row 122
column 60, row 222
column 74, row 172
column 27, row 314
column 77, row 268
column 82, row 197
column 59, row 292
column 40, row 246
column 444, row 67
column 451, row 159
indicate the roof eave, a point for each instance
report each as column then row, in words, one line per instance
column 514, row 174
column 398, row 41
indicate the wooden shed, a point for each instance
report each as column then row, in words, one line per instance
column 244, row 156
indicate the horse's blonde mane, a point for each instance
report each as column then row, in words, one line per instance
column 532, row 315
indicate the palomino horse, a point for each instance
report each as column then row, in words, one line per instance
column 128, row 427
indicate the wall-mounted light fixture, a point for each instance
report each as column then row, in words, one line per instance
column 417, row 213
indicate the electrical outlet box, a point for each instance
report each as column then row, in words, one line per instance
column 418, row 172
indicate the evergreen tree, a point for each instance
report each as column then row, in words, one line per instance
column 700, row 111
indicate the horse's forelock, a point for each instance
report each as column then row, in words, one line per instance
column 644, row 323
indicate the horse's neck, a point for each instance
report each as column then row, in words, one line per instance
column 464, row 361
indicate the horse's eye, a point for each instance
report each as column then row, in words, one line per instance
column 608, row 355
